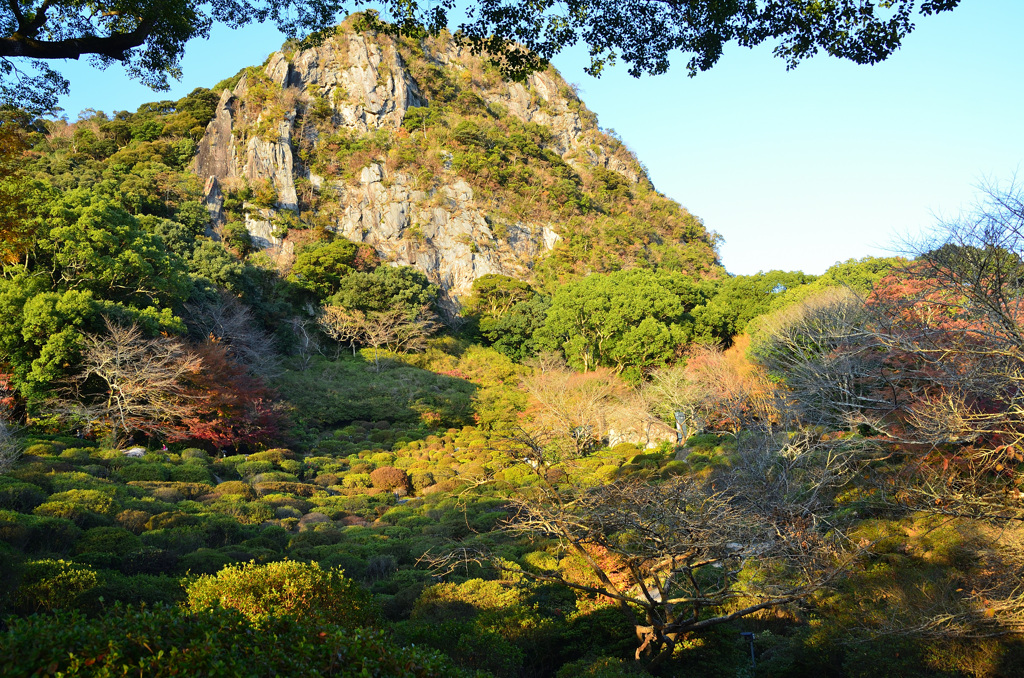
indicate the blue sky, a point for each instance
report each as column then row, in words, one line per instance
column 795, row 169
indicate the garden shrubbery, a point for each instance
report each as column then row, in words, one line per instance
column 287, row 588
column 168, row 641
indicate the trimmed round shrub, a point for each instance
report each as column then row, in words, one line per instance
column 273, row 477
column 138, row 588
column 48, row 585
column 92, row 500
column 132, row 520
column 354, row 480
column 18, row 496
column 382, row 459
column 204, row 561
column 276, row 455
column 167, row 494
column 291, row 466
column 40, row 450
column 277, row 487
column 96, row 470
column 278, row 500
column 422, row 480
column 38, row 534
column 326, row 479
column 115, row 540
column 177, row 540
column 143, row 471
column 76, row 454
column 170, row 519
column 236, row 487
column 310, row 520
column 77, row 480
column 76, row 513
column 247, row 513
column 390, row 478
column 285, row 589
column 148, row 560
column 195, row 453
column 191, row 473
column 248, row 469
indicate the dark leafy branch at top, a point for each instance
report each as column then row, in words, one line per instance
column 149, row 36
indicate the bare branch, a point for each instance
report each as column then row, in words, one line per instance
column 145, row 379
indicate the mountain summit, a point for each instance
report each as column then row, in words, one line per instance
column 426, row 153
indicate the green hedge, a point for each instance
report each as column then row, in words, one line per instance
column 167, row 641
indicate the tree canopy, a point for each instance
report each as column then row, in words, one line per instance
column 629, row 319
column 148, row 36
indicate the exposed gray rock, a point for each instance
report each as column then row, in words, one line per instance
column 214, row 202
column 367, row 84
column 272, row 161
column 443, row 231
column 216, row 155
column 452, row 244
column 260, row 224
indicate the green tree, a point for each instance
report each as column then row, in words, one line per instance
column 741, row 298
column 90, row 259
column 513, row 332
column 320, row 266
column 494, row 295
column 95, row 245
column 41, row 335
column 860, row 275
column 211, row 261
column 385, row 289
column 237, row 236
column 629, row 319
column 16, row 231
column 179, row 238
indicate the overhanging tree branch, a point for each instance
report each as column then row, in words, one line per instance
column 115, row 46
column 520, row 36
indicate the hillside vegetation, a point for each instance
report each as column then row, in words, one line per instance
column 230, row 417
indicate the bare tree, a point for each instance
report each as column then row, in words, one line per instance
column 716, row 391
column 827, row 349
column 675, row 398
column 398, row 330
column 395, row 329
column 10, row 445
column 342, row 325
column 451, row 312
column 948, row 327
column 688, row 554
column 573, row 411
column 972, row 266
column 307, row 341
column 231, row 322
column 145, row 379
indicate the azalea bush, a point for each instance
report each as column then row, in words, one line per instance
column 285, row 589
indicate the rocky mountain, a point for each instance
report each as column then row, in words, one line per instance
column 426, row 153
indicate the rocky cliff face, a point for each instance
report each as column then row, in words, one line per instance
column 288, row 126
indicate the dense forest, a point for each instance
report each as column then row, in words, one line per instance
column 244, row 433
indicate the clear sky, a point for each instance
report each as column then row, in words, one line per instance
column 795, row 169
